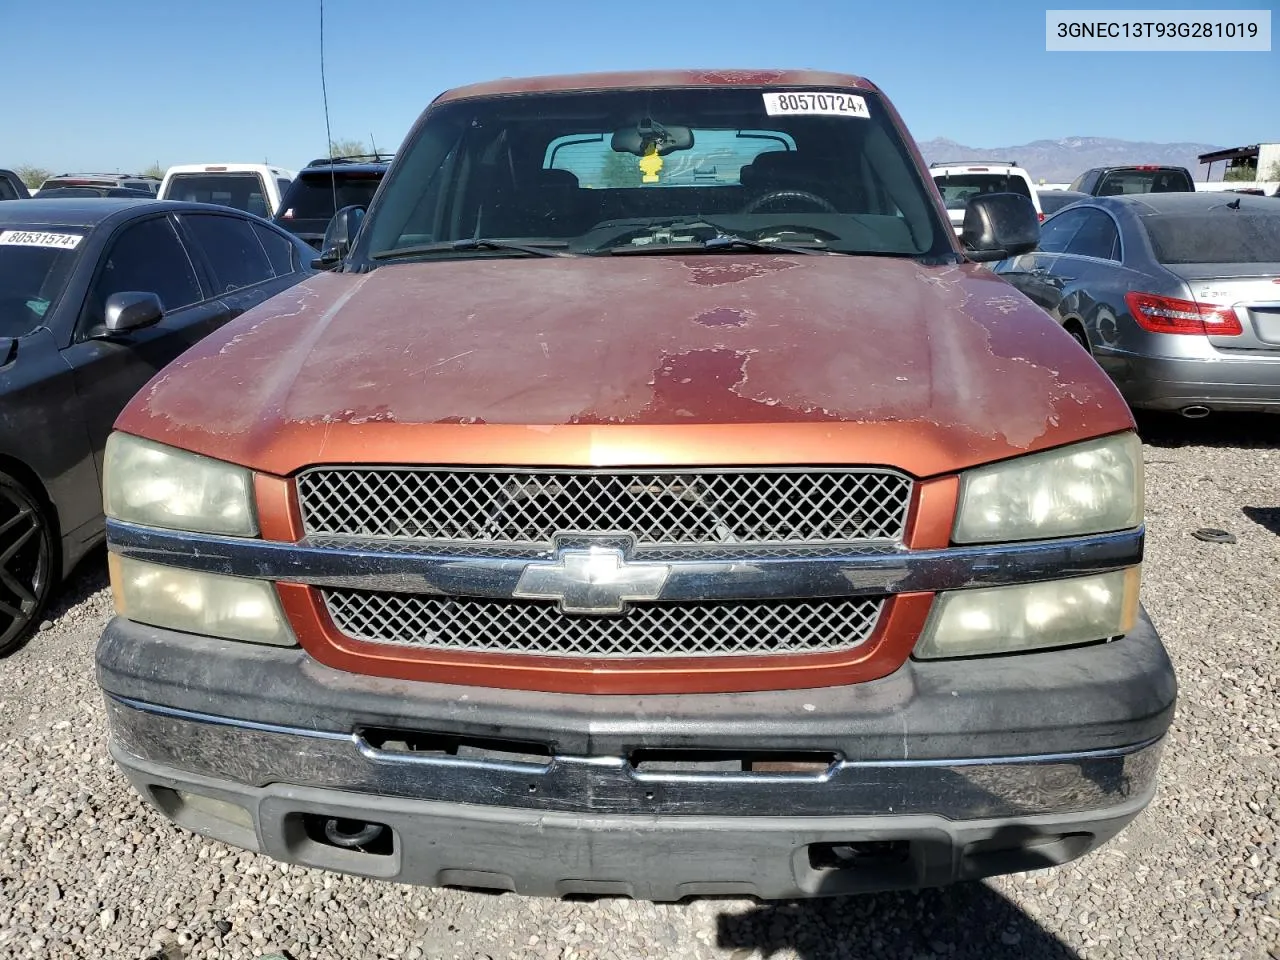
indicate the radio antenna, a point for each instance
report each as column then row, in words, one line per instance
column 328, row 134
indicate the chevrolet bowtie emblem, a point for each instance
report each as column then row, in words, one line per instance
column 597, row 580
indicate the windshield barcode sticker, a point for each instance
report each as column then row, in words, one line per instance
column 37, row 238
column 824, row 104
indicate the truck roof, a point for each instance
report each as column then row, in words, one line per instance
column 631, row 79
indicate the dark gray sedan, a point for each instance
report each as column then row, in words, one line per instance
column 96, row 296
column 1177, row 295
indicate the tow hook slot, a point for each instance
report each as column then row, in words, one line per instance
column 336, row 832
column 363, row 836
column 858, row 854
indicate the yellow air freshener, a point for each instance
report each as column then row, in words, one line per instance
column 650, row 164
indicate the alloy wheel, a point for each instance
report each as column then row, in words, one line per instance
column 25, row 553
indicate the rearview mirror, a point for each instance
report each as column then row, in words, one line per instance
column 339, row 236
column 999, row 225
column 637, row 139
column 132, row 310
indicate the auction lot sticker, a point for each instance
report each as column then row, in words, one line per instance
column 822, row 104
column 39, row 238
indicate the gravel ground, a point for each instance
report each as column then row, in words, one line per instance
column 87, row 870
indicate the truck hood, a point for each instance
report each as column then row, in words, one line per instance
column 635, row 360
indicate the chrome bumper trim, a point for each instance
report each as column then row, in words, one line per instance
column 257, row 755
column 387, row 566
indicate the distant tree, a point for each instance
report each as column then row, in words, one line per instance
column 1274, row 172
column 619, row 170
column 32, row 176
column 155, row 170
column 347, row 148
column 1243, row 171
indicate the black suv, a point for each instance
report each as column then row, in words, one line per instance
column 1147, row 178
column 324, row 187
column 12, row 187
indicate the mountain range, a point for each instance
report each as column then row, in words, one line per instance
column 1060, row 161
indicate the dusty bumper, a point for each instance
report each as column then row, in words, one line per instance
column 596, row 825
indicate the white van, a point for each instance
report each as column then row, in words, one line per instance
column 255, row 187
column 959, row 182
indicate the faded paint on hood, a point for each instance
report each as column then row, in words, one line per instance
column 587, row 360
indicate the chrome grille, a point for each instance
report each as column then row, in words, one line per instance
column 703, row 629
column 535, row 507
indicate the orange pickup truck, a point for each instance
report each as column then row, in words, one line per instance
column 763, row 544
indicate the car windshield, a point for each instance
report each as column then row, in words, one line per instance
column 35, row 263
column 653, row 169
column 311, row 196
column 1221, row 235
column 957, row 189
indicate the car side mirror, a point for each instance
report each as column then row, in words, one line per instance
column 132, row 310
column 339, row 236
column 998, row 226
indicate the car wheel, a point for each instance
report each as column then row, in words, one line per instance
column 1080, row 337
column 26, row 561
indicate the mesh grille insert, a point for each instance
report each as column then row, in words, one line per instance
column 701, row 629
column 534, row 507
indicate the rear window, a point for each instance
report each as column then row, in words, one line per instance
column 1120, row 182
column 957, row 189
column 317, row 196
column 76, row 182
column 244, row 191
column 1216, row 236
column 716, row 159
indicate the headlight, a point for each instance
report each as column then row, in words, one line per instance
column 159, row 486
column 1090, row 487
column 1056, row 613
column 234, row 608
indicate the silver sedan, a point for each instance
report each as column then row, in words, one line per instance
column 1176, row 295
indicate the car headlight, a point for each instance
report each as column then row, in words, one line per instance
column 161, row 486
column 1031, row 616
column 1090, row 487
column 234, row 608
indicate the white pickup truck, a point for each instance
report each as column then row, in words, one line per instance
column 255, row 187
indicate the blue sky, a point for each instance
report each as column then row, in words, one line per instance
column 112, row 88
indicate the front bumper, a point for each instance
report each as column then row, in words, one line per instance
column 938, row 772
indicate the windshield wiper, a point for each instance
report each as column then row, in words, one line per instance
column 549, row 248
column 712, row 244
column 725, row 242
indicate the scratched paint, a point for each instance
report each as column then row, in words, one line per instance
column 950, row 355
column 723, row 317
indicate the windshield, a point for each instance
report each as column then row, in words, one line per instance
column 311, row 197
column 957, row 189
column 624, row 169
column 34, row 266
column 1216, row 236
column 244, row 191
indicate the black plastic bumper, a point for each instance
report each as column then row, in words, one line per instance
column 942, row 771
column 1086, row 698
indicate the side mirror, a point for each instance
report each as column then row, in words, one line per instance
column 999, row 225
column 339, row 236
column 132, row 310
